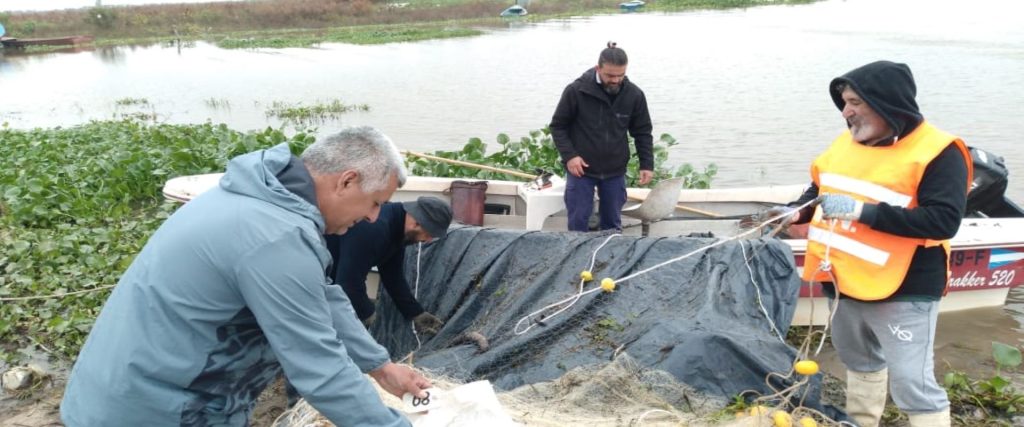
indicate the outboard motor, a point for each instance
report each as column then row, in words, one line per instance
column 987, row 196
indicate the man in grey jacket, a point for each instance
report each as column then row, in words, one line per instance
column 231, row 290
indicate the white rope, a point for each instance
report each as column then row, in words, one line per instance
column 416, row 294
column 574, row 298
column 757, row 290
column 826, row 266
column 640, row 421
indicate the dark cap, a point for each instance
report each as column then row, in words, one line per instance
column 433, row 214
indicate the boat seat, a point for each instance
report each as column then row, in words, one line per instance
column 660, row 203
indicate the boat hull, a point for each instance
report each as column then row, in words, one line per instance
column 52, row 41
column 987, row 253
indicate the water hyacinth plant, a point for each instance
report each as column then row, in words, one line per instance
column 536, row 152
column 77, row 204
column 316, row 113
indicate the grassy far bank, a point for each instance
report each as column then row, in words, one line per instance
column 374, row 34
column 302, row 23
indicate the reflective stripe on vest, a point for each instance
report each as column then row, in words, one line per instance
column 864, row 188
column 860, row 250
column 869, row 264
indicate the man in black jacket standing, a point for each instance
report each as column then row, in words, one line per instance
column 589, row 128
column 382, row 244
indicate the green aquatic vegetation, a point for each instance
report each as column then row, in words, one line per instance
column 600, row 332
column 77, row 204
column 536, row 152
column 316, row 113
column 718, row 4
column 131, row 101
column 218, row 103
column 393, row 34
column 257, row 42
column 138, row 115
column 995, row 397
column 375, row 34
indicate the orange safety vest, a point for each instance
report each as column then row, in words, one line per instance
column 867, row 264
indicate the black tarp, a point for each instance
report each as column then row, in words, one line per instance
column 698, row 318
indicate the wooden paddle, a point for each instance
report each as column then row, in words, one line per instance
column 533, row 177
column 471, row 165
column 680, row 206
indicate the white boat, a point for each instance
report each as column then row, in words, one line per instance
column 986, row 262
column 631, row 6
column 514, row 10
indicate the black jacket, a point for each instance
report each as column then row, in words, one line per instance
column 368, row 244
column 588, row 123
column 941, row 195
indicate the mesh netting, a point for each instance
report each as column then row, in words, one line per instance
column 621, row 392
column 684, row 325
column 710, row 319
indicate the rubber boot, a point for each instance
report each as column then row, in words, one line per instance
column 865, row 396
column 931, row 419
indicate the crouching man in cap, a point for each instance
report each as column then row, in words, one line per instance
column 382, row 244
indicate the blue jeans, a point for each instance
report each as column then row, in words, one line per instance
column 579, row 201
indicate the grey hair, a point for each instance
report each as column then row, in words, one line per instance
column 363, row 149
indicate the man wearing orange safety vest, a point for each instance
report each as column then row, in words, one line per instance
column 893, row 190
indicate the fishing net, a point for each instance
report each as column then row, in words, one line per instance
column 708, row 311
column 662, row 330
column 710, row 319
column 621, row 392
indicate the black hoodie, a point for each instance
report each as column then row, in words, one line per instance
column 889, row 89
column 591, row 124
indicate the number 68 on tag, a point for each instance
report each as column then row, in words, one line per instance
column 432, row 400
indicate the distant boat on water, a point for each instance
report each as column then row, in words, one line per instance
column 631, row 6
column 50, row 41
column 515, row 10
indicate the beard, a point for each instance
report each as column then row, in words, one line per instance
column 612, row 89
column 866, row 132
column 410, row 237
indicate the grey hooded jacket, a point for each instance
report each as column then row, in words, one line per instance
column 226, row 293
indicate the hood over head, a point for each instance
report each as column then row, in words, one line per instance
column 276, row 176
column 888, row 88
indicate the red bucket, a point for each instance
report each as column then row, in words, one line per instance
column 468, row 201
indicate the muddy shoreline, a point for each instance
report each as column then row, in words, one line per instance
column 41, row 407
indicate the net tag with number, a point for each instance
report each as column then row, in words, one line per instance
column 415, row 404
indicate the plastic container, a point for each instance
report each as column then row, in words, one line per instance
column 468, row 201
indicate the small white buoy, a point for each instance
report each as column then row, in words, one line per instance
column 20, row 378
column 16, row 379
